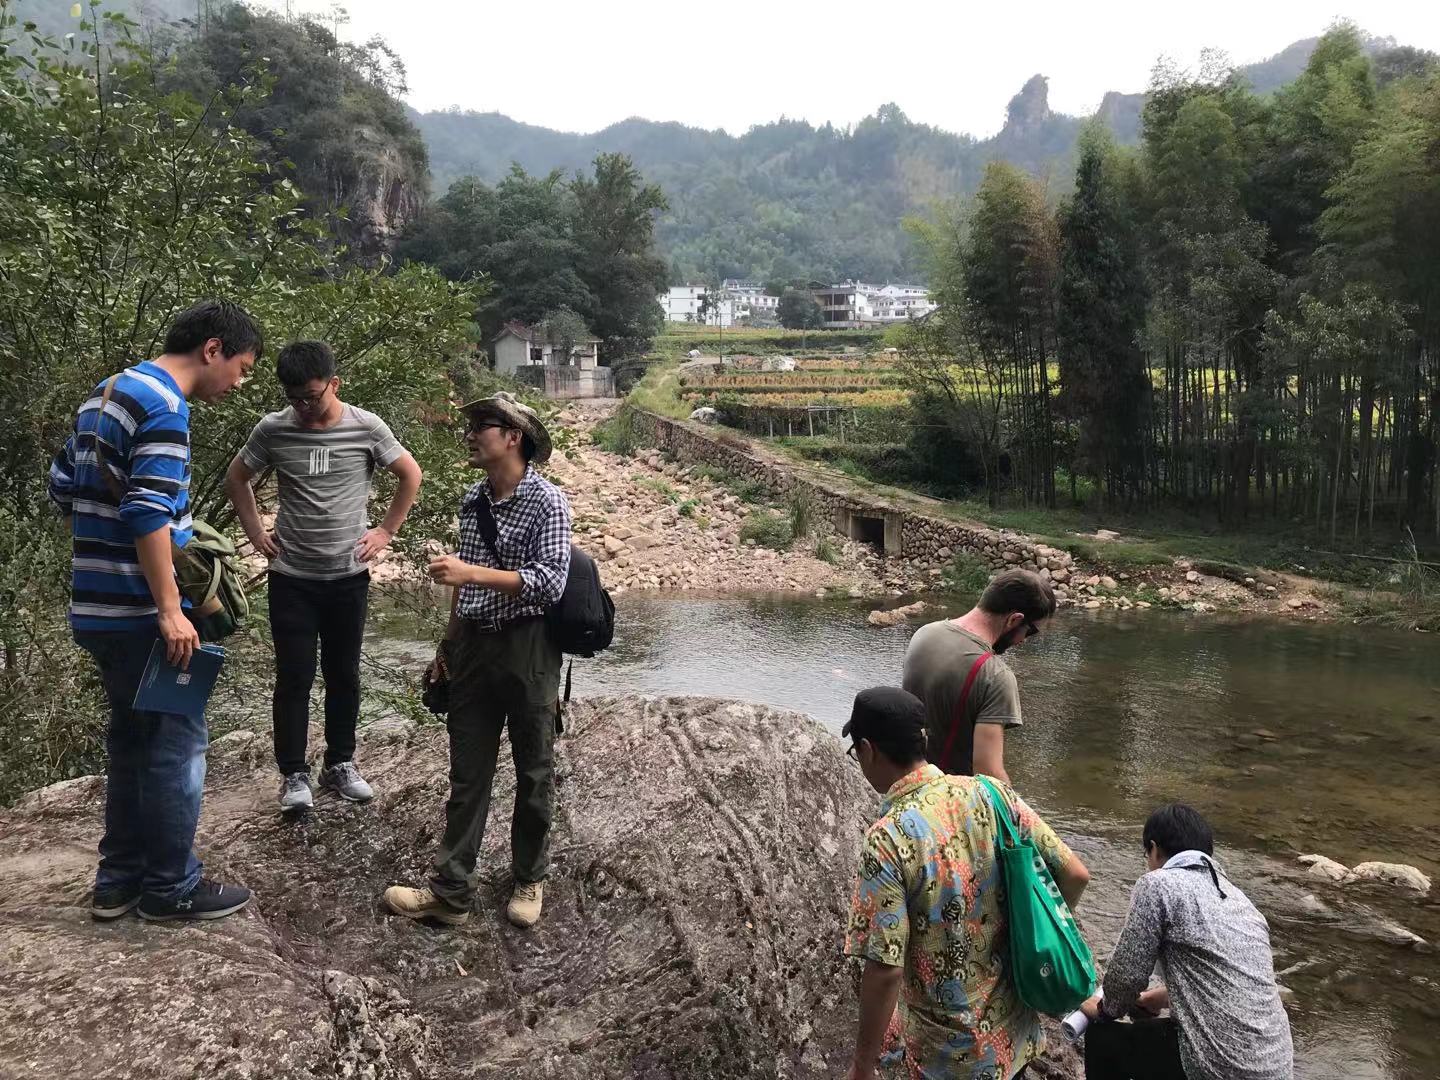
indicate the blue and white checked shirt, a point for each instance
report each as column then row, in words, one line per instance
column 534, row 540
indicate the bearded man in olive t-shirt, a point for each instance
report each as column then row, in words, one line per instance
column 970, row 694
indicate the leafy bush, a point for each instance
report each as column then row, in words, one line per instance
column 967, row 574
column 767, row 529
column 802, row 510
column 173, row 203
column 715, row 474
column 621, row 434
column 751, row 491
column 826, row 550
column 660, row 487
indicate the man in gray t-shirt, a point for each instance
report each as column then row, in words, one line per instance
column 323, row 454
column 970, row 694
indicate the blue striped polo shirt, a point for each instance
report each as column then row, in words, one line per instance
column 121, row 475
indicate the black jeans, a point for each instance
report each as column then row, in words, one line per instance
column 154, row 779
column 498, row 681
column 1141, row 1050
column 303, row 611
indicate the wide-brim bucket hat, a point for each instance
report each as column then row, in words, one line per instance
column 504, row 407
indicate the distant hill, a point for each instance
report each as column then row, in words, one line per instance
column 790, row 200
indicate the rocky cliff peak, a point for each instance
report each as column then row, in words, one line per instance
column 1030, row 108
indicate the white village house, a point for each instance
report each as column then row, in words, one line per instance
column 851, row 305
column 682, row 304
column 525, row 353
column 750, row 297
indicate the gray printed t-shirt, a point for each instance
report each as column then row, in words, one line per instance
column 937, row 663
column 324, row 479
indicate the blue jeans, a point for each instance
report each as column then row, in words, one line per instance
column 154, row 780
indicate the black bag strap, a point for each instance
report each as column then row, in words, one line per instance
column 485, row 520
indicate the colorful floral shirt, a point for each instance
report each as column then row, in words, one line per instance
column 927, row 898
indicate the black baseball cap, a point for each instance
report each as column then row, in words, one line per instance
column 891, row 718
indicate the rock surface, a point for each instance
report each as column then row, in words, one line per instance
column 1324, row 867
column 897, row 616
column 702, row 860
column 1392, row 874
column 1389, row 873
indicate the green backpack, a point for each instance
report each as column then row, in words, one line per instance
column 1049, row 960
column 209, row 577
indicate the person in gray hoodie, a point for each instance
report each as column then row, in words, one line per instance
column 1213, row 951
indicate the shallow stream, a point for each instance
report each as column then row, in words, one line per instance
column 1290, row 737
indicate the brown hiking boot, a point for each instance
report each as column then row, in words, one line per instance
column 423, row 904
column 524, row 909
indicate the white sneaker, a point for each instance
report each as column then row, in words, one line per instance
column 295, row 793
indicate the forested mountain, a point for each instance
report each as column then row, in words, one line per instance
column 789, row 200
column 330, row 120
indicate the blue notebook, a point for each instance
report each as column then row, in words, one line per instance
column 168, row 689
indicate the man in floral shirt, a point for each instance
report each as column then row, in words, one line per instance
column 927, row 912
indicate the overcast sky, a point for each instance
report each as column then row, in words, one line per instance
column 580, row 65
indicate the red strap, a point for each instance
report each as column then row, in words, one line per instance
column 959, row 721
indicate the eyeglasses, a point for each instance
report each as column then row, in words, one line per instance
column 305, row 401
column 1030, row 629
column 853, row 751
column 475, row 429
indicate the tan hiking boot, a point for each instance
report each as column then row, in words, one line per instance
column 423, row 904
column 525, row 901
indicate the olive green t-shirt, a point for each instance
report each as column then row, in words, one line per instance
column 937, row 663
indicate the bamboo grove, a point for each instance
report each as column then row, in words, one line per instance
column 1241, row 314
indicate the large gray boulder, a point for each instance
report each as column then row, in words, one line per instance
column 702, row 861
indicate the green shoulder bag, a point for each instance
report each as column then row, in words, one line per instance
column 1050, row 963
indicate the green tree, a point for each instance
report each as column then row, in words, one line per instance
column 517, row 235
column 1383, row 229
column 613, row 224
column 1311, row 132
column 545, row 243
column 798, row 310
column 162, row 200
column 1101, row 317
column 1007, row 269
column 566, row 329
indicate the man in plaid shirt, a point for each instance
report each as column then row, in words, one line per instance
column 500, row 659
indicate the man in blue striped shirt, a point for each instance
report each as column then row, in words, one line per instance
column 123, row 481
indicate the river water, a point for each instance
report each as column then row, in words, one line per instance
column 1290, row 737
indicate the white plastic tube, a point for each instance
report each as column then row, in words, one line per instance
column 1075, row 1024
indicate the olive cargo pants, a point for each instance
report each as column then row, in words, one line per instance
column 509, row 677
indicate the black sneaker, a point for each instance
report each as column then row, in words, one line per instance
column 113, row 902
column 207, row 900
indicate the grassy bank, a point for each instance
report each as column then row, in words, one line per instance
column 1388, row 582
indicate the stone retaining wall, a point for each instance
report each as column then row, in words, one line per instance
column 907, row 535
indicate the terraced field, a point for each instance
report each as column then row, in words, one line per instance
column 759, row 400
